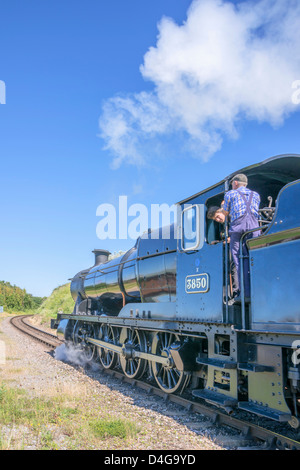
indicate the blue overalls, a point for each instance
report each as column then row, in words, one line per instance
column 239, row 226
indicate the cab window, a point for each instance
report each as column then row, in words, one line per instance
column 192, row 228
column 215, row 231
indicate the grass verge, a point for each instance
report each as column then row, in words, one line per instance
column 61, row 422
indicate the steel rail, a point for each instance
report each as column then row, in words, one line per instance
column 42, row 336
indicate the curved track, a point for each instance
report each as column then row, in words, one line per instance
column 268, row 439
column 48, row 339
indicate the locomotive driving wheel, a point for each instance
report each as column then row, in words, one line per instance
column 168, row 378
column 80, row 334
column 107, row 358
column 133, row 341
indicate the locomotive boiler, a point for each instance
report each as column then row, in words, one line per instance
column 145, row 273
column 165, row 306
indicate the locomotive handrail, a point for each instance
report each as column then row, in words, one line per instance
column 156, row 254
column 226, row 270
column 242, row 289
column 139, row 258
column 226, row 260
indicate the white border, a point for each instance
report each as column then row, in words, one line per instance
column 197, row 291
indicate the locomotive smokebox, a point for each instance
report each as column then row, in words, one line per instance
column 101, row 256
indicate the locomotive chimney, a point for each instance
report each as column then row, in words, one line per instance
column 101, row 256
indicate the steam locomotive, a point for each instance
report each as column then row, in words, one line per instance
column 165, row 305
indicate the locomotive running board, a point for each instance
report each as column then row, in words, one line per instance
column 215, row 398
column 270, row 413
column 186, row 327
column 216, row 363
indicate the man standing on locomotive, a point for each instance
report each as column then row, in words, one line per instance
column 241, row 205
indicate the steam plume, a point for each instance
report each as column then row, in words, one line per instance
column 225, row 64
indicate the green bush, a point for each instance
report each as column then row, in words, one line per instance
column 59, row 300
column 105, row 428
column 15, row 299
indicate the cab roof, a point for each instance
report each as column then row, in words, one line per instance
column 276, row 171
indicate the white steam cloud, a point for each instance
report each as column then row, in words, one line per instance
column 225, row 64
column 74, row 355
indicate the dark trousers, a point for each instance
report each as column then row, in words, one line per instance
column 237, row 229
column 235, row 251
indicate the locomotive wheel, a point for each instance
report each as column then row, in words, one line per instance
column 80, row 333
column 132, row 340
column 107, row 358
column 168, row 378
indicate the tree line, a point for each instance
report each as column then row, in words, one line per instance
column 13, row 298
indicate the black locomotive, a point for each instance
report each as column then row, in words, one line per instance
column 165, row 306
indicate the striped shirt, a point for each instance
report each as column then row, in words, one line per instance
column 235, row 204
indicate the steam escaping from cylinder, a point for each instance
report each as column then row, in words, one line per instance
column 74, row 355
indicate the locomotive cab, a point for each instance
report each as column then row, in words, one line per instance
column 252, row 344
column 204, row 261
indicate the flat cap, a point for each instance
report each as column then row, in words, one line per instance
column 241, row 178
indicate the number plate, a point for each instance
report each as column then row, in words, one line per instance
column 196, row 284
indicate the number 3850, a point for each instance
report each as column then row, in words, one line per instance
column 197, row 283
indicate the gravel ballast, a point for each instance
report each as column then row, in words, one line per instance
column 31, row 367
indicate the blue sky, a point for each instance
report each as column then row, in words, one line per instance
column 155, row 100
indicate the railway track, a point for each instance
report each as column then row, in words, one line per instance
column 266, row 439
column 48, row 339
